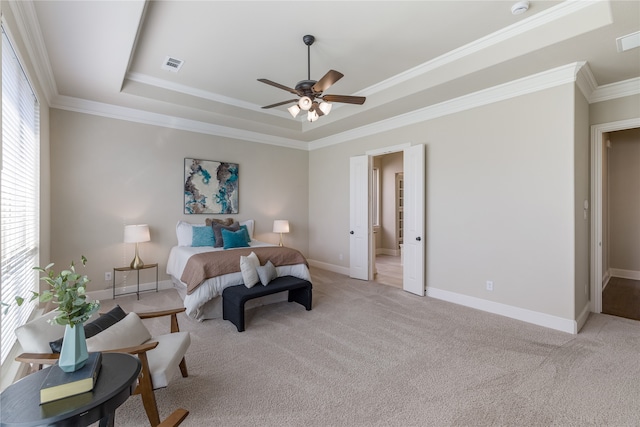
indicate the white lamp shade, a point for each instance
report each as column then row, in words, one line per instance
column 312, row 116
column 294, row 110
column 305, row 103
column 325, row 107
column 280, row 226
column 136, row 233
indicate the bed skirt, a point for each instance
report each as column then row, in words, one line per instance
column 212, row 309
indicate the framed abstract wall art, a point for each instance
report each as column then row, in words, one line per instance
column 210, row 187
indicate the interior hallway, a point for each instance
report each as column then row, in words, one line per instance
column 621, row 297
column 389, row 270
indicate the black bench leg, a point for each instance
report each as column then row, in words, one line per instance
column 233, row 313
column 302, row 296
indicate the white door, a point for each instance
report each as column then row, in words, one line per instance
column 359, row 228
column 414, row 220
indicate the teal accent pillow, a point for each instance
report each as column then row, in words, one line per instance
column 234, row 239
column 246, row 230
column 202, row 236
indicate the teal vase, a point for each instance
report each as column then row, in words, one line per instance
column 73, row 354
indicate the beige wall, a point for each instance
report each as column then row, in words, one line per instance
column 107, row 173
column 500, row 200
column 624, row 202
column 581, row 195
column 615, row 110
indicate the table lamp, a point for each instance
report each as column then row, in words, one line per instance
column 136, row 234
column 280, row 226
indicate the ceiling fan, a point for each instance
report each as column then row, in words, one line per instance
column 310, row 91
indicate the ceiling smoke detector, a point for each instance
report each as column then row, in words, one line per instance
column 520, row 7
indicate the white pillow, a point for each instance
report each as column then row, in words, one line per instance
column 248, row 266
column 34, row 336
column 129, row 332
column 184, row 233
column 266, row 273
column 249, row 223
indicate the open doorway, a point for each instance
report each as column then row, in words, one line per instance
column 388, row 217
column 621, row 223
column 600, row 268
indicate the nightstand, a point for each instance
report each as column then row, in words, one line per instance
column 137, row 292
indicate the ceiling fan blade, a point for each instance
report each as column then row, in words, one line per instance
column 279, row 86
column 344, row 98
column 281, row 103
column 327, row 80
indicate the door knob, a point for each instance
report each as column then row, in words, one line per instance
column 418, row 238
column 351, row 232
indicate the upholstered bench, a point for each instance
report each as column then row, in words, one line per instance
column 234, row 297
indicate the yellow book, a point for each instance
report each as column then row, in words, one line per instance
column 59, row 384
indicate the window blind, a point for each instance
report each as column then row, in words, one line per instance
column 19, row 193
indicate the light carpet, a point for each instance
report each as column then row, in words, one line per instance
column 374, row 355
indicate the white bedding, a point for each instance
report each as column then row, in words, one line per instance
column 212, row 288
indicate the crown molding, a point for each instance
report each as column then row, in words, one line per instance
column 535, row 21
column 172, row 122
column 188, row 90
column 29, row 29
column 585, row 80
column 537, row 82
column 615, row 90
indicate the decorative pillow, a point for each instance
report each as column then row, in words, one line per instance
column 93, row 328
column 202, row 236
column 210, row 221
column 234, row 239
column 35, row 336
column 217, row 233
column 266, row 273
column 249, row 223
column 248, row 266
column 129, row 332
column 184, row 233
column 244, row 228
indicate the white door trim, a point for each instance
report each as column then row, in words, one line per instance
column 596, row 204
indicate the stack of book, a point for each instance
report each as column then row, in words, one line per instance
column 59, row 384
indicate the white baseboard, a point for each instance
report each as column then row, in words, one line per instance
column 582, row 318
column 529, row 316
column 624, row 274
column 330, row 267
column 108, row 293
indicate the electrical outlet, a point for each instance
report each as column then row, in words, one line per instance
column 107, row 276
column 489, row 285
column 340, row 257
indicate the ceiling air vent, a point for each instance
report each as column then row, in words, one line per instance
column 172, row 64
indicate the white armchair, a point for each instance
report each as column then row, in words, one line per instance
column 161, row 356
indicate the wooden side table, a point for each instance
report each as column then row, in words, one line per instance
column 20, row 402
column 137, row 292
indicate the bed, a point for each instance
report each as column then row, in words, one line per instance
column 203, row 299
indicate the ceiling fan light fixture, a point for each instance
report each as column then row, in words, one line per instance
column 294, row 110
column 325, row 107
column 305, row 103
column 312, row 116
